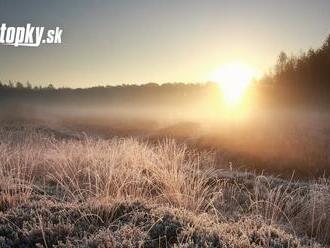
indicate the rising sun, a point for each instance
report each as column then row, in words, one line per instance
column 233, row 79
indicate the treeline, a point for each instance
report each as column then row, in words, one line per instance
column 151, row 93
column 302, row 79
column 19, row 86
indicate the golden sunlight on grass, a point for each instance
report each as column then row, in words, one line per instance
column 84, row 191
column 234, row 79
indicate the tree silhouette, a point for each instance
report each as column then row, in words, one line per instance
column 304, row 78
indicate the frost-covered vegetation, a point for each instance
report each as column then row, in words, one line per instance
column 60, row 189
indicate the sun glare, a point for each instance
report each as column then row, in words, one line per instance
column 233, row 79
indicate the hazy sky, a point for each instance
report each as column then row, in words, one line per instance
column 122, row 41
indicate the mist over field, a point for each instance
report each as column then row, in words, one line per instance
column 273, row 136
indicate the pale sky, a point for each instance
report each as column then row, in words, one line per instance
column 140, row 41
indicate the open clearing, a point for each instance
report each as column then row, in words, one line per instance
column 69, row 189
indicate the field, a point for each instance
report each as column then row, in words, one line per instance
column 88, row 185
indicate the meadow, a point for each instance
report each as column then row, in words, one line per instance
column 70, row 185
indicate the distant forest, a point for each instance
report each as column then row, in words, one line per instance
column 146, row 94
column 296, row 79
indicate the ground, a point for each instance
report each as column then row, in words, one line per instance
column 62, row 188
